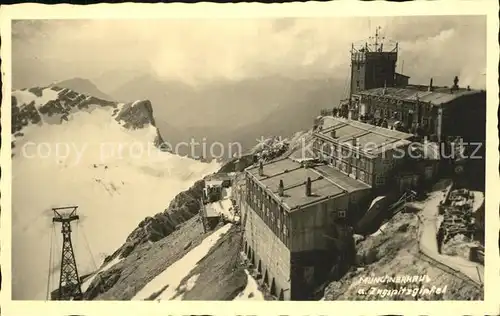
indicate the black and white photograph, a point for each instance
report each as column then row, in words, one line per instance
column 336, row 158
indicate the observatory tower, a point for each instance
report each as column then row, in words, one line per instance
column 373, row 65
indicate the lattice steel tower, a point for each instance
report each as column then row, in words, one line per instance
column 70, row 287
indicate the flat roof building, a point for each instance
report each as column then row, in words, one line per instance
column 292, row 215
column 438, row 112
column 364, row 152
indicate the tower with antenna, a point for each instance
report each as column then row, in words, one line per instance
column 373, row 63
column 70, row 287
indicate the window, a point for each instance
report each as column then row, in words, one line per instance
column 261, row 199
column 278, row 223
column 368, row 178
column 362, row 175
column 272, row 217
column 364, row 163
column 357, row 83
column 380, row 180
column 327, row 150
column 353, row 172
column 285, row 230
column 341, row 214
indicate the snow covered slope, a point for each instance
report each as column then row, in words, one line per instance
column 72, row 149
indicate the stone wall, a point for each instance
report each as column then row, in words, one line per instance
column 267, row 252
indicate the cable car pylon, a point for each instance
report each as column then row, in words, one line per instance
column 70, row 287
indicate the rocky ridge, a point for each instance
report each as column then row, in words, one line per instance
column 54, row 105
column 182, row 210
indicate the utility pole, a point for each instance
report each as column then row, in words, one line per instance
column 70, row 287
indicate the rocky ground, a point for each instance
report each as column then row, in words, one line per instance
column 220, row 274
column 183, row 207
column 395, row 253
column 162, row 239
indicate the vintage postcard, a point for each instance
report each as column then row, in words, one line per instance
column 325, row 153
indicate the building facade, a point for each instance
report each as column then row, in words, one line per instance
column 373, row 65
column 297, row 212
column 361, row 151
column 429, row 111
column 295, row 220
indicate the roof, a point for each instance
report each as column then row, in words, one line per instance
column 401, row 75
column 371, row 139
column 438, row 96
column 326, row 182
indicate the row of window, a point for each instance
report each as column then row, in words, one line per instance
column 389, row 105
column 273, row 214
column 351, row 171
column 343, row 154
column 380, row 180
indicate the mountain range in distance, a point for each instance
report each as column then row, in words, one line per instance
column 221, row 111
column 84, row 86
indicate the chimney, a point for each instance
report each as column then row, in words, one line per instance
column 333, row 134
column 308, row 187
column 385, row 87
column 355, row 142
column 430, row 86
column 261, row 168
column 281, row 189
column 455, row 83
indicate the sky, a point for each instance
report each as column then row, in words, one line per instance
column 198, row 51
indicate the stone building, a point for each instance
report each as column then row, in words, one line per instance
column 373, row 65
column 361, row 151
column 435, row 112
column 381, row 96
column 297, row 212
column 296, row 222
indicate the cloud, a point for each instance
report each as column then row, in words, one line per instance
column 200, row 50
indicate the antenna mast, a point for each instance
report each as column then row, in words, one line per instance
column 377, row 39
column 70, row 287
